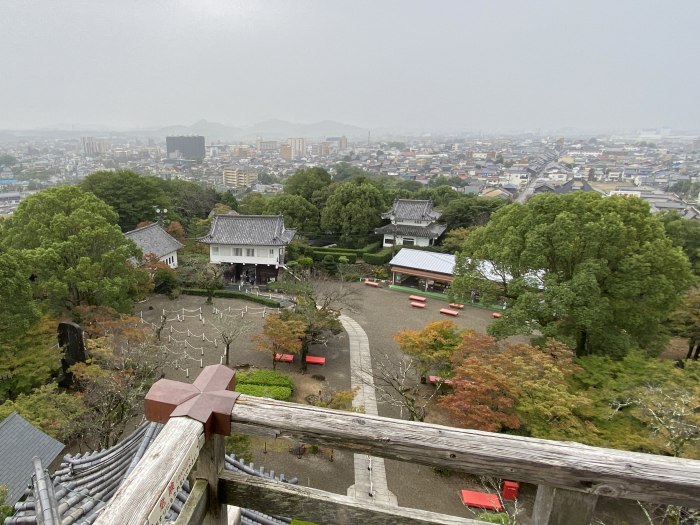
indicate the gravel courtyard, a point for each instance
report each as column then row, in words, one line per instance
column 381, row 313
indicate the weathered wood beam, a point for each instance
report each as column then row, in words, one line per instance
column 567, row 465
column 195, row 507
column 317, row 506
column 555, row 506
column 146, row 494
column 210, row 465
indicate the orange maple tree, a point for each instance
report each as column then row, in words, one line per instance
column 280, row 336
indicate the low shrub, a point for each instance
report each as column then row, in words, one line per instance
column 379, row 258
column 281, row 393
column 264, row 377
column 318, row 256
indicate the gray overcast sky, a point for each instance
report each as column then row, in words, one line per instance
column 452, row 65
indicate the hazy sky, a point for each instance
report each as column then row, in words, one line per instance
column 452, row 65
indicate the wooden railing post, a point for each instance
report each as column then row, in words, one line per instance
column 197, row 416
column 210, row 465
column 555, row 506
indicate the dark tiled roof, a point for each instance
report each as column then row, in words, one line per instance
column 20, row 441
column 254, row 230
column 85, row 483
column 432, row 231
column 154, row 239
column 413, row 210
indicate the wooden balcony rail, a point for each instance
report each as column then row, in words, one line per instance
column 570, row 476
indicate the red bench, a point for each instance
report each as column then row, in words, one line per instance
column 417, row 305
column 457, row 306
column 480, row 500
column 434, row 380
column 419, row 298
column 496, row 315
column 315, row 360
column 447, row 311
column 372, row 283
column 284, row 358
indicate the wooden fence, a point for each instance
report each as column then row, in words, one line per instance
column 570, row 476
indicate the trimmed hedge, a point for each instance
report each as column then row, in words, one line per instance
column 318, row 256
column 281, row 393
column 264, row 377
column 232, row 294
column 379, row 258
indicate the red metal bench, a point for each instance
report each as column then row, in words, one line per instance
column 284, row 358
column 419, row 298
column 417, row 305
column 457, row 306
column 372, row 283
column 480, row 500
column 315, row 360
column 434, row 380
column 447, row 311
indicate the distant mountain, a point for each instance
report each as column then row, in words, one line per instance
column 273, row 129
column 211, row 130
column 276, row 128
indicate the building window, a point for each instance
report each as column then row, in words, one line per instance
column 407, row 241
column 250, row 252
column 272, row 252
column 238, row 252
column 215, row 250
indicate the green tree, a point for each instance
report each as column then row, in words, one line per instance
column 7, row 160
column 306, row 181
column 298, row 213
column 345, row 170
column 30, row 359
column 685, row 234
column 253, row 204
column 685, row 322
column 628, row 395
column 687, row 189
column 454, row 239
column 69, row 241
column 353, row 210
column 597, row 273
column 469, row 211
column 48, row 408
column 19, row 310
column 133, row 196
column 189, row 200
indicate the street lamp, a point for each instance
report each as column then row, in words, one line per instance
column 160, row 214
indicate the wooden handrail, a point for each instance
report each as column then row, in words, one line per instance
column 565, row 465
column 570, row 476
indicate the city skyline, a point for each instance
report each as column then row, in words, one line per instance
column 396, row 66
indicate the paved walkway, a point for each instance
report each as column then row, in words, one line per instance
column 370, row 475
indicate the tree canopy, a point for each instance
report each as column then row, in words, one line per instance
column 306, row 181
column 68, row 240
column 598, row 273
column 353, row 210
column 469, row 211
column 134, row 197
column 298, row 213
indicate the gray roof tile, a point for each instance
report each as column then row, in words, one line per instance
column 154, row 239
column 253, row 230
column 431, row 232
column 84, row 483
column 20, row 441
column 412, row 209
